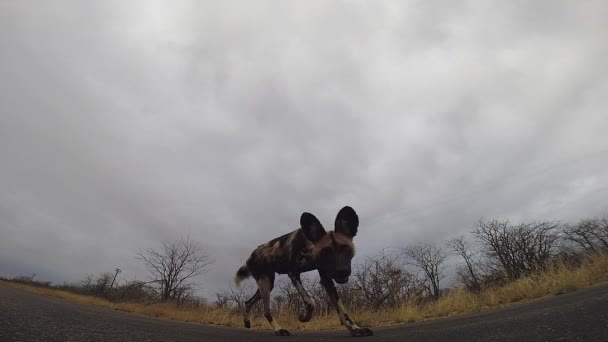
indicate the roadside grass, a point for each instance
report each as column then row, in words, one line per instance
column 557, row 280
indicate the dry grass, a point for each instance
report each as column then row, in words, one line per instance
column 557, row 280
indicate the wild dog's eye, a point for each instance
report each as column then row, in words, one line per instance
column 345, row 250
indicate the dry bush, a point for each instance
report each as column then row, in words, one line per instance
column 381, row 282
column 233, row 299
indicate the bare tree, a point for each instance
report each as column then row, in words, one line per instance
column 430, row 260
column 469, row 275
column 174, row 266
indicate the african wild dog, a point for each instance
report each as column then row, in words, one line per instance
column 305, row 249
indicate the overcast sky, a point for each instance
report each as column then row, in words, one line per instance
column 126, row 123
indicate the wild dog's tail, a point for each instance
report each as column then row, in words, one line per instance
column 241, row 274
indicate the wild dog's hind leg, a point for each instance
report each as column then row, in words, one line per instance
column 248, row 305
column 354, row 329
column 297, row 282
column 265, row 284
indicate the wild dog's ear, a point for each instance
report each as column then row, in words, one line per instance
column 347, row 222
column 311, row 227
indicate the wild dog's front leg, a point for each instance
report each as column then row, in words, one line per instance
column 297, row 282
column 354, row 329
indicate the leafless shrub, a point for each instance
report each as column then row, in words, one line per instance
column 235, row 298
column 86, row 282
column 381, row 282
column 134, row 291
column 92, row 285
column 103, row 282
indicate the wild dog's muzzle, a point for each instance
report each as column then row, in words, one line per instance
column 341, row 277
column 341, row 280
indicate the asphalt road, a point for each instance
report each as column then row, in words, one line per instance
column 576, row 316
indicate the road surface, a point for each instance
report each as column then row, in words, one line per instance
column 577, row 316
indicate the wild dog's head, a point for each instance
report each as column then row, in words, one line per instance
column 332, row 251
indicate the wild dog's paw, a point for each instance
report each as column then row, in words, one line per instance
column 282, row 332
column 305, row 317
column 361, row 332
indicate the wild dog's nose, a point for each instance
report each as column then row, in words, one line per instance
column 341, row 276
column 341, row 280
